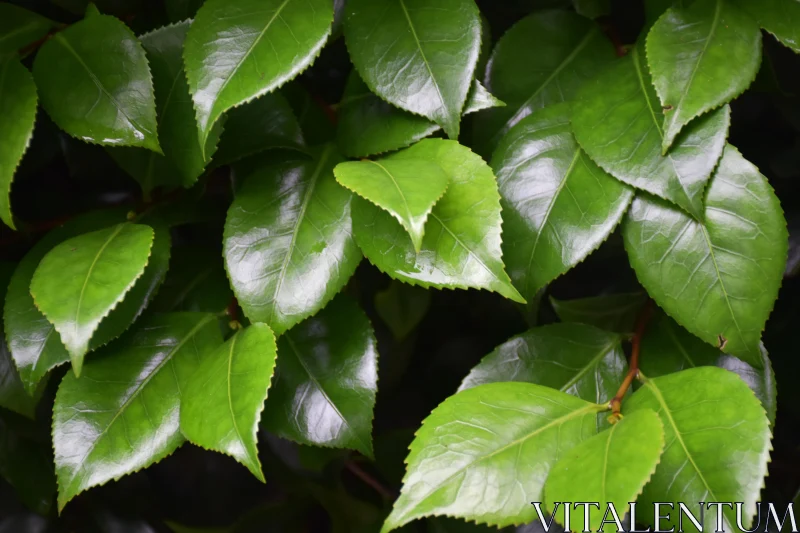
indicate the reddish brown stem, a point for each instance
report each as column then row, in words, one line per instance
column 633, row 366
column 369, row 480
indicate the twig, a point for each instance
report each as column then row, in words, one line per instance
column 633, row 371
column 369, row 480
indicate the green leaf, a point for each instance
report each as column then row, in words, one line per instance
column 701, row 57
column 182, row 162
column 20, row 27
column 461, row 247
column 577, row 359
column 558, row 206
column 779, row 17
column 510, row 433
column 222, row 403
column 326, row 380
column 572, row 49
column 26, row 462
column 18, row 109
column 196, row 282
column 719, row 441
column 612, row 312
column 288, row 243
column 13, row 395
column 402, row 307
column 178, row 10
column 237, row 51
column 123, row 413
column 419, row 55
column 668, row 348
column 611, row 468
column 80, row 281
column 618, row 119
column 719, row 278
column 406, row 188
column 95, row 84
column 264, row 124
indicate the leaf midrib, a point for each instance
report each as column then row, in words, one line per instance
column 230, row 397
column 721, row 283
column 592, row 363
column 422, row 53
column 89, row 275
column 399, row 191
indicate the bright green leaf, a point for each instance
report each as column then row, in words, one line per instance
column 80, row 281
column 326, row 380
column 237, row 51
column 123, row 413
column 511, row 433
column 288, row 240
column 719, row 278
column 611, row 468
column 405, row 188
column 402, row 307
column 779, row 17
column 222, row 403
column 18, row 109
column 612, row 312
column 20, row 27
column 95, row 84
column 701, row 57
column 719, row 442
column 461, row 247
column 558, row 206
column 617, row 119
column 419, row 55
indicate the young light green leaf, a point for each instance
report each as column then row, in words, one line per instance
column 407, row 189
column 617, row 120
column 461, row 247
column 80, row 281
column 130, row 397
column 223, row 400
column 237, row 51
column 779, row 17
column 288, row 243
column 720, row 442
column 402, row 307
column 718, row 278
column 611, row 312
column 611, row 468
column 95, row 84
column 434, row 44
column 326, row 380
column 558, row 206
column 701, row 57
column 572, row 49
column 20, row 27
column 511, row 433
column 18, row 109
column 577, row 359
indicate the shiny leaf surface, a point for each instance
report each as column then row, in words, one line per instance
column 13, row 395
column 123, row 413
column 719, row 278
column 611, row 312
column 326, row 380
column 779, row 17
column 20, row 27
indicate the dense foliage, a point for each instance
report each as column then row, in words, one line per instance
column 217, row 214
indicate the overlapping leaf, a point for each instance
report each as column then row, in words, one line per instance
column 95, row 84
column 701, row 57
column 26, row 462
column 419, row 55
column 402, row 307
column 779, row 17
column 611, row 312
column 20, row 27
column 326, row 380
column 558, row 205
column 237, row 51
column 123, row 413
column 288, row 243
column 718, row 278
column 196, row 282
column 461, row 247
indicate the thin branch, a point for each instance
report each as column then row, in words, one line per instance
column 369, row 480
column 633, row 368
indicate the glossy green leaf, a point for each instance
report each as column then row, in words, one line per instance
column 569, row 50
column 123, row 413
column 196, row 282
column 577, row 359
column 288, row 243
column 18, row 109
column 419, row 55
column 701, row 57
column 326, row 380
column 13, row 395
column 611, row 468
column 461, row 247
column 668, row 348
column 779, row 17
column 26, row 462
column 511, row 433
column 87, row 92
column 20, row 27
column 612, row 312
column 719, row 278
column 222, row 403
column 558, row 206
column 617, row 119
column 237, row 51
column 80, row 281
column 402, row 307
column 719, row 442
column 405, row 188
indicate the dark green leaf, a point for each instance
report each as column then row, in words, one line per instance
column 779, row 17
column 402, row 307
column 26, row 462
column 196, row 282
column 178, row 10
column 20, row 27
column 612, row 312
column 13, row 395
